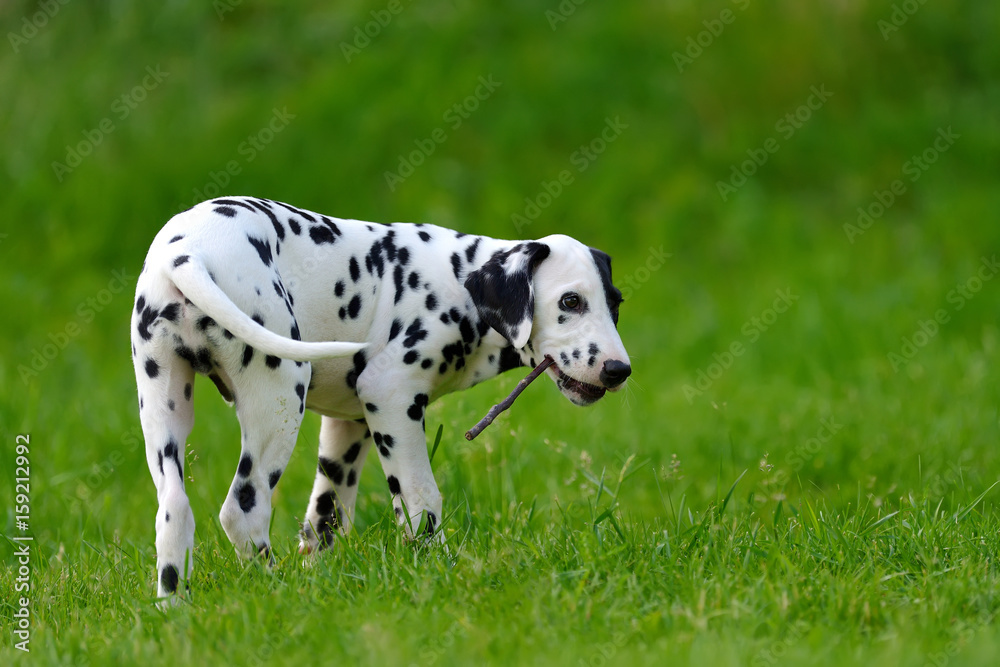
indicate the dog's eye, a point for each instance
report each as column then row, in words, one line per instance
column 570, row 302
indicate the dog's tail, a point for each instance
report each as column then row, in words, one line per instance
column 191, row 277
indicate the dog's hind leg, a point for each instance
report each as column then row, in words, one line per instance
column 166, row 414
column 270, row 402
column 343, row 446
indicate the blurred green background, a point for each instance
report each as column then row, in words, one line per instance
column 162, row 102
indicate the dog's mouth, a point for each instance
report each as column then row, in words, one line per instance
column 579, row 392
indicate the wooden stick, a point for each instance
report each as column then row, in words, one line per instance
column 509, row 401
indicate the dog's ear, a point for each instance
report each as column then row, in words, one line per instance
column 503, row 290
column 612, row 294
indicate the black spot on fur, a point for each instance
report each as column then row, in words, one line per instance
column 294, row 225
column 431, row 302
column 331, row 470
column 424, row 236
column 411, row 357
column 470, row 252
column 465, row 328
column 247, row 497
column 152, row 368
column 263, row 249
column 233, row 202
column 201, row 361
column 414, row 333
column 226, row 211
column 181, row 259
column 393, row 485
column 427, row 363
column 187, row 391
column 456, row 265
column 300, row 391
column 171, row 451
column 247, row 355
column 354, row 269
column 416, row 410
column 352, row 453
column 170, row 405
column 297, row 211
column 204, row 322
column 272, row 479
column 278, row 229
column 221, row 386
column 338, row 289
column 352, row 477
column 271, row 361
column 325, row 502
column 431, row 523
column 354, row 307
column 397, row 280
column 169, row 578
column 371, row 407
column 359, row 367
column 395, row 328
column 246, row 466
column 176, row 239
column 509, row 358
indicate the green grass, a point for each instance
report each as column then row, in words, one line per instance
column 814, row 500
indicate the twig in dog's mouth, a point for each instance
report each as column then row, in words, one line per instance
column 509, row 401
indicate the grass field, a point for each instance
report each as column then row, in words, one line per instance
column 800, row 199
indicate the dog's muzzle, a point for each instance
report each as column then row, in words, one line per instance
column 614, row 372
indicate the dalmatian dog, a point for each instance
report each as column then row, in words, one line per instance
column 366, row 324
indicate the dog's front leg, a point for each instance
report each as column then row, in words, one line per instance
column 394, row 410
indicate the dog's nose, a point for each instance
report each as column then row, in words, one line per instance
column 614, row 372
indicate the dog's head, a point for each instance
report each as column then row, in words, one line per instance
column 555, row 297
